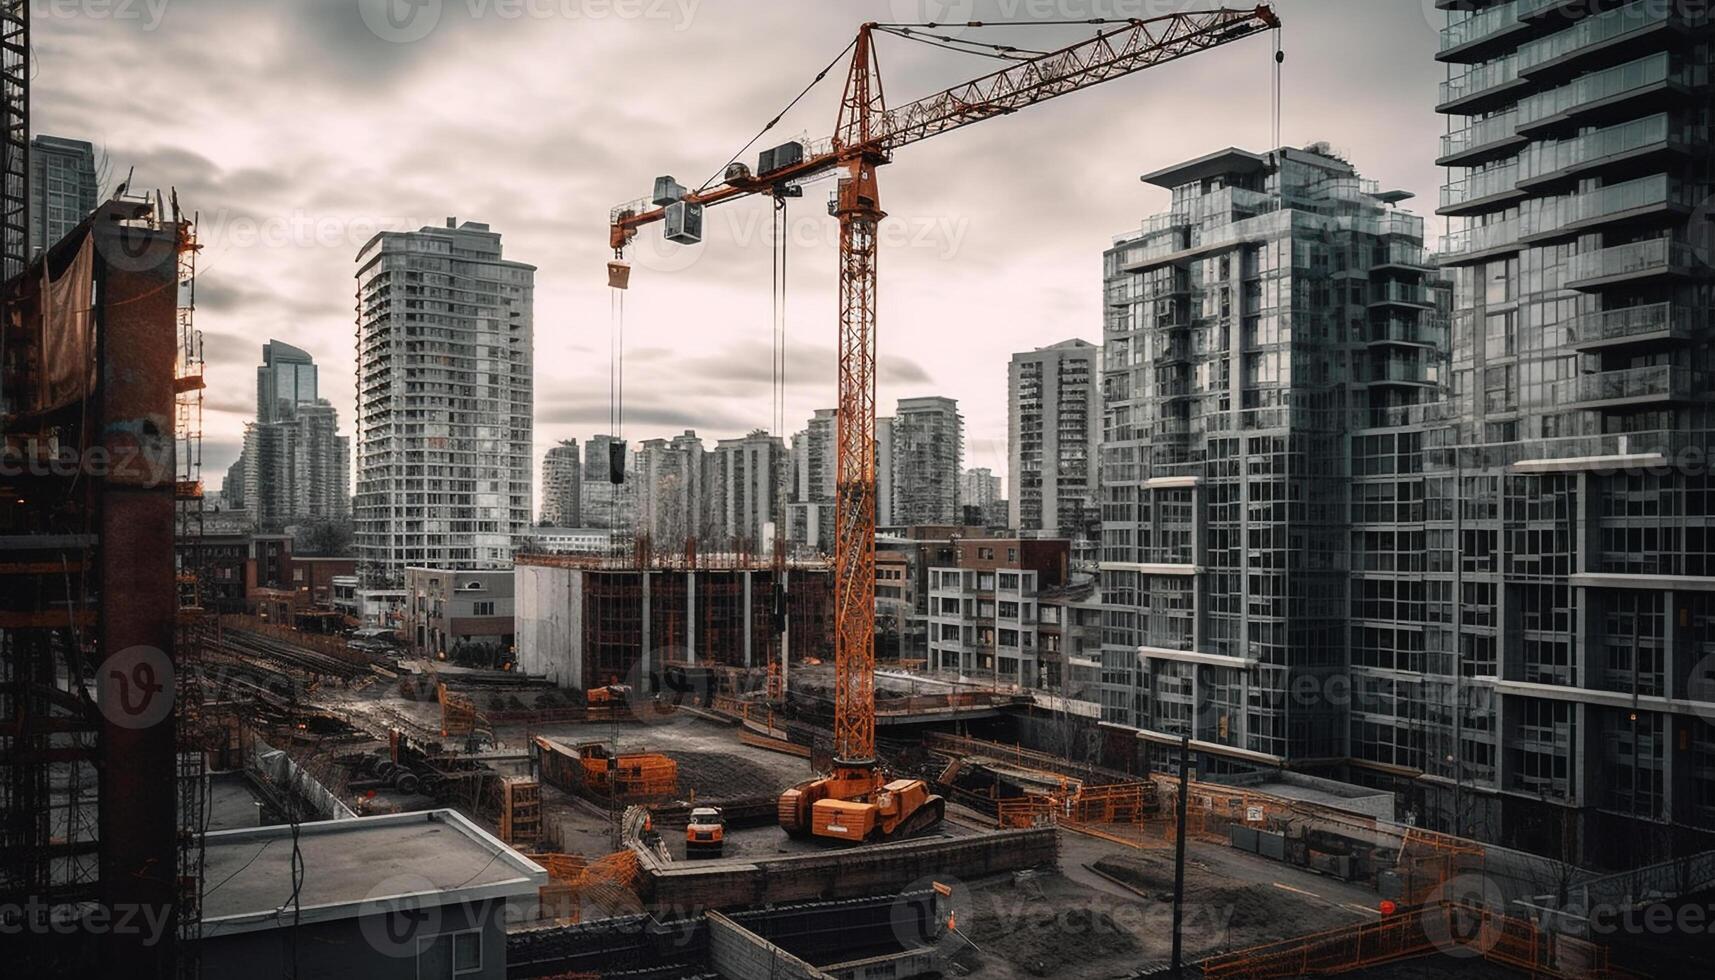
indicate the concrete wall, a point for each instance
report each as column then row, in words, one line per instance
column 549, row 627
column 847, row 873
column 368, row 946
column 740, row 954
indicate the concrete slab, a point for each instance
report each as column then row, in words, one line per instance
column 357, row 866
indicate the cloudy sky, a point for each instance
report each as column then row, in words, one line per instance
column 297, row 128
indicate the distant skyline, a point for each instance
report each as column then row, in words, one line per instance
column 296, row 132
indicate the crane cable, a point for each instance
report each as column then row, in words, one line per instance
column 1279, row 60
column 616, row 363
column 778, row 298
column 777, row 116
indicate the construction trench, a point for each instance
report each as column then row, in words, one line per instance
column 1050, row 862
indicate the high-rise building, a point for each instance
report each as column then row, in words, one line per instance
column 444, row 401
column 670, row 475
column 1570, row 537
column 607, row 505
column 1279, row 306
column 1053, row 430
column 295, row 466
column 285, row 379
column 750, row 485
column 883, row 472
column 811, row 512
column 928, row 451
column 562, row 485
column 979, row 495
column 62, row 188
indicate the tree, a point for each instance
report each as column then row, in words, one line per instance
column 325, row 539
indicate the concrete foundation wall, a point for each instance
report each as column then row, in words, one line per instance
column 740, row 954
column 846, row 872
column 548, row 630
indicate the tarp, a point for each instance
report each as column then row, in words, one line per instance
column 68, row 337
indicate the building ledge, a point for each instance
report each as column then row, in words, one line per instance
column 1150, row 568
column 1615, row 580
column 1193, row 657
column 1605, row 699
column 1171, row 482
column 1585, row 464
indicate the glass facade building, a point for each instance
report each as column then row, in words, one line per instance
column 1571, row 546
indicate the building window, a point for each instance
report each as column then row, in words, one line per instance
column 449, row 955
column 482, row 609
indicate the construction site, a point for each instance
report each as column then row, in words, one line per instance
column 692, row 764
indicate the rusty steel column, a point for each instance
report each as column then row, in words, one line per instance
column 136, row 306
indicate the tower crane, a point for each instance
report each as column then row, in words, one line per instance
column 857, row 800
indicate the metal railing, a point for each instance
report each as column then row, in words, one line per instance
column 1651, row 255
column 1676, row 321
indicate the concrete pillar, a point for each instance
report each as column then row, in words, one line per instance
column 644, row 662
column 748, row 616
column 690, row 616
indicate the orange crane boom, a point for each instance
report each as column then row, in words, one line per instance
column 865, row 136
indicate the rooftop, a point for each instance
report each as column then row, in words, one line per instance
column 1231, row 160
column 357, row 867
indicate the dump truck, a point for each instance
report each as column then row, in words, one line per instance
column 705, row 833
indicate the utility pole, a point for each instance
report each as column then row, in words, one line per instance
column 1179, row 855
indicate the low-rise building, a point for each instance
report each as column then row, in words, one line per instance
column 392, row 897
column 567, row 540
column 454, row 612
column 1008, row 610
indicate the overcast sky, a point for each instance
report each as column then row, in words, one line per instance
column 299, row 127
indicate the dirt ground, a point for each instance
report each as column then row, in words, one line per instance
column 1078, row 921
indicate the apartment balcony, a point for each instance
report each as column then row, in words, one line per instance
column 1647, row 84
column 1484, row 31
column 1406, row 333
column 1403, row 257
column 1628, row 146
column 1481, row 242
column 1629, row 387
column 1386, row 370
column 1486, row 139
column 1655, row 258
column 1483, row 87
column 1646, row 198
column 1657, row 324
column 1487, row 191
column 1400, row 294
column 1617, row 34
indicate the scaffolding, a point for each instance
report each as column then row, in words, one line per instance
column 198, row 734
column 14, row 137
column 520, row 810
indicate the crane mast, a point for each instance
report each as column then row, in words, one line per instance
column 865, row 136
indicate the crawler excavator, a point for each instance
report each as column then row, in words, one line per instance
column 858, row 800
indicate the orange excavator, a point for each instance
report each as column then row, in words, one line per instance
column 859, row 801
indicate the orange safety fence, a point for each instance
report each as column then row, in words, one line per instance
column 1442, row 927
column 333, row 646
column 608, row 883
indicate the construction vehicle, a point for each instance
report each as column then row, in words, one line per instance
column 857, row 800
column 611, row 696
column 705, row 833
